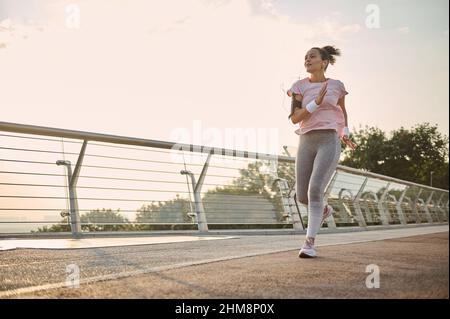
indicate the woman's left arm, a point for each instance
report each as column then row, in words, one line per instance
column 341, row 103
column 346, row 139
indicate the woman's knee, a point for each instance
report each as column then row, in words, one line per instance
column 302, row 198
column 301, row 194
column 315, row 193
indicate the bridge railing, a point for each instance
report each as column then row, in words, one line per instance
column 57, row 180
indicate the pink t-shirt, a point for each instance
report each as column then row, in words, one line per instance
column 328, row 115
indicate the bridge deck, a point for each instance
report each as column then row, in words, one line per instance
column 413, row 263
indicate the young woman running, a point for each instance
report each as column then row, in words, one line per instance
column 318, row 104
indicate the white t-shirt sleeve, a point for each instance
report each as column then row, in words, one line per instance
column 343, row 90
column 295, row 88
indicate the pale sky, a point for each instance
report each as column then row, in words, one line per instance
column 199, row 71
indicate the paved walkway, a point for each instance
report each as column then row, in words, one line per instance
column 413, row 262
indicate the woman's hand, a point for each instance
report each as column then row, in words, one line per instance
column 322, row 93
column 348, row 142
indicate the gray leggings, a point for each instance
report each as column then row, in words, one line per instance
column 317, row 157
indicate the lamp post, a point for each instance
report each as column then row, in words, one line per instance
column 431, row 178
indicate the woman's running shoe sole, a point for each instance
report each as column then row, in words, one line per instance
column 304, row 255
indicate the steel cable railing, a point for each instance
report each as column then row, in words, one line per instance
column 115, row 173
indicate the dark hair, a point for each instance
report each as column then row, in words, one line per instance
column 328, row 52
column 294, row 104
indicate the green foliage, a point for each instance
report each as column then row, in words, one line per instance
column 406, row 154
column 257, row 179
column 95, row 220
column 176, row 209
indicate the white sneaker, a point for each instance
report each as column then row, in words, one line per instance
column 327, row 213
column 308, row 250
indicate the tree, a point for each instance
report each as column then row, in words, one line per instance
column 95, row 220
column 104, row 220
column 407, row 154
column 257, row 179
column 175, row 210
column 371, row 150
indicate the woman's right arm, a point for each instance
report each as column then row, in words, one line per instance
column 299, row 115
column 299, row 112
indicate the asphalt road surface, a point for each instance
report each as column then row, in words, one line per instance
column 412, row 263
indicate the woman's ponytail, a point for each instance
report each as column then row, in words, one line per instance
column 328, row 53
column 331, row 52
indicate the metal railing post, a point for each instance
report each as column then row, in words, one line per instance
column 199, row 210
column 75, row 226
column 197, row 186
column 293, row 216
column 411, row 203
column 427, row 211
column 342, row 206
column 385, row 217
column 75, row 223
column 398, row 205
column 414, row 207
column 440, row 208
column 356, row 204
column 447, row 209
column 421, row 203
column 369, row 217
